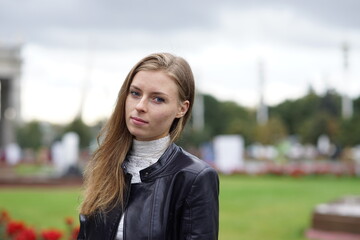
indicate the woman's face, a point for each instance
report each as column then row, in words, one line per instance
column 152, row 105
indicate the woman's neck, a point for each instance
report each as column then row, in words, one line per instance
column 154, row 148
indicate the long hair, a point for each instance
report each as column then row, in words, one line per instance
column 104, row 182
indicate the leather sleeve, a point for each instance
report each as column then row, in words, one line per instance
column 201, row 212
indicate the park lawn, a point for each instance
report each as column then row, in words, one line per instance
column 251, row 207
column 275, row 208
column 41, row 207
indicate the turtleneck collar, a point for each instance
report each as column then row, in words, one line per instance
column 154, row 148
column 143, row 154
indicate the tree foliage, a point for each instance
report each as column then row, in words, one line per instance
column 272, row 132
column 307, row 118
column 311, row 116
column 30, row 135
column 228, row 118
column 315, row 126
column 83, row 130
column 349, row 133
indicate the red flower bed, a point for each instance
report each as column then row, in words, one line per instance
column 14, row 228
column 17, row 230
column 51, row 234
column 26, row 234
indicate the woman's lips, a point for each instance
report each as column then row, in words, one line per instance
column 138, row 121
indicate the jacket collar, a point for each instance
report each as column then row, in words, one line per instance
column 157, row 169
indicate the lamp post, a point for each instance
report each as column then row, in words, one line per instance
column 262, row 111
column 346, row 104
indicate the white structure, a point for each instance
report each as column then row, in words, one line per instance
column 10, row 66
column 356, row 156
column 12, row 153
column 262, row 111
column 198, row 112
column 66, row 153
column 229, row 153
column 324, row 145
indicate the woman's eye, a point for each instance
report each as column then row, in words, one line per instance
column 135, row 93
column 159, row 100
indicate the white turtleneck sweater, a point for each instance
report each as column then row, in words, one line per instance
column 142, row 155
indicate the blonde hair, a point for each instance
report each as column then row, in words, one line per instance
column 104, row 182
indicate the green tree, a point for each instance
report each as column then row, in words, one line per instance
column 84, row 131
column 191, row 138
column 293, row 112
column 356, row 105
column 314, row 126
column 225, row 117
column 307, row 117
column 272, row 132
column 311, row 115
column 215, row 118
column 220, row 118
column 349, row 134
column 330, row 103
column 30, row 135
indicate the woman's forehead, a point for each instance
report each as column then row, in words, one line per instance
column 155, row 81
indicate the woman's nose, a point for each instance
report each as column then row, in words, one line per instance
column 141, row 106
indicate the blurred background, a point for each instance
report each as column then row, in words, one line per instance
column 278, row 98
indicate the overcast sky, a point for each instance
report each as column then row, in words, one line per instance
column 74, row 45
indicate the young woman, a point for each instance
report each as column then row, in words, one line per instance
column 140, row 184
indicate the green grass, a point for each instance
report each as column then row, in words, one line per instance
column 42, row 208
column 278, row 208
column 251, row 208
column 32, row 169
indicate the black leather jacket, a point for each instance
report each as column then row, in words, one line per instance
column 177, row 199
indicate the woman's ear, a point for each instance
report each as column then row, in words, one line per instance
column 183, row 108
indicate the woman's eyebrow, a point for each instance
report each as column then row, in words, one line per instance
column 135, row 87
column 152, row 93
column 159, row 93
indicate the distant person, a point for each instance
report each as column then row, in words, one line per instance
column 139, row 183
